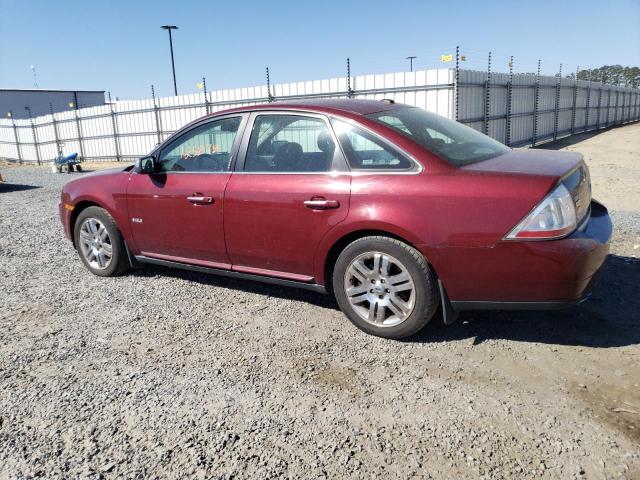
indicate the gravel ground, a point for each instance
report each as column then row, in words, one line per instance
column 165, row 373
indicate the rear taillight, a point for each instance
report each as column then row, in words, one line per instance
column 554, row 217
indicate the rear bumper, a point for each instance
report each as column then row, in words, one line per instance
column 528, row 275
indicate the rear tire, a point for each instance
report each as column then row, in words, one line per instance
column 100, row 243
column 385, row 287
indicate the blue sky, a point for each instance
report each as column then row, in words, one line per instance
column 118, row 45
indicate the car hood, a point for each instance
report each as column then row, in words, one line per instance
column 529, row 162
column 100, row 180
column 108, row 171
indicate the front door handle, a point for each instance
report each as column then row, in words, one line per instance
column 200, row 200
column 321, row 204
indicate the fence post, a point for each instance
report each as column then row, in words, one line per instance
column 599, row 107
column 535, row 107
column 55, row 131
column 573, row 108
column 156, row 114
column 624, row 98
column 78, row 130
column 586, row 118
column 457, row 83
column 507, row 129
column 114, row 126
column 33, row 134
column 620, row 107
column 206, row 99
column 15, row 135
column 606, row 119
column 270, row 97
column 487, row 97
column 557, row 106
column 349, row 89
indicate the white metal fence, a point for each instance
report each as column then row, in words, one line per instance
column 515, row 109
column 524, row 109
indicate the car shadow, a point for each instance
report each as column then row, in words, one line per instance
column 16, row 187
column 248, row 286
column 610, row 318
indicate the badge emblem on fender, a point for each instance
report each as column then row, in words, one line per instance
column 136, row 220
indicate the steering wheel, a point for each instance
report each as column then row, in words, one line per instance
column 212, row 161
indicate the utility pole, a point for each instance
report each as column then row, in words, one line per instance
column 411, row 58
column 168, row 28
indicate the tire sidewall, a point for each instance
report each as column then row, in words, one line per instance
column 117, row 244
column 426, row 301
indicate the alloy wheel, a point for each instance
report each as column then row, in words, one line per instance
column 380, row 289
column 95, row 243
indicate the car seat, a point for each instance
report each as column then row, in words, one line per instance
column 289, row 158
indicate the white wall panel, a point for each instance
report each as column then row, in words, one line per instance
column 138, row 121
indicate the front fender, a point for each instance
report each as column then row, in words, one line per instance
column 105, row 191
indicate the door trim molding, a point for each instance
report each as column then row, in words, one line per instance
column 171, row 258
column 233, row 274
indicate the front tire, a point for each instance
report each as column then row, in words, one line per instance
column 99, row 243
column 385, row 287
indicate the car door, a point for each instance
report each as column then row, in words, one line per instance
column 291, row 185
column 176, row 213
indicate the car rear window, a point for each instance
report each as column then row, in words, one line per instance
column 366, row 152
column 456, row 143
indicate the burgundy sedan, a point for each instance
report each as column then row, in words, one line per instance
column 397, row 212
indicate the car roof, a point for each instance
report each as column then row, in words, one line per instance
column 323, row 105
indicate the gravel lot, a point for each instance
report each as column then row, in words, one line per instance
column 165, row 373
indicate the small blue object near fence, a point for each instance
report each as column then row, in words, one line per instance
column 70, row 161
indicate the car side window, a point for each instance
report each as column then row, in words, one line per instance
column 365, row 151
column 289, row 143
column 206, row 148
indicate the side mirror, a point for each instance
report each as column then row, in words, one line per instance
column 147, row 165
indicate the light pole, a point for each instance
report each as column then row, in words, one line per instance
column 173, row 66
column 411, row 59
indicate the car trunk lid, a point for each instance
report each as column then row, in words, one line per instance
column 530, row 162
column 568, row 167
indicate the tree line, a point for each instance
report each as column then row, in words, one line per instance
column 612, row 75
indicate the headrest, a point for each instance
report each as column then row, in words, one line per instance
column 325, row 142
column 293, row 149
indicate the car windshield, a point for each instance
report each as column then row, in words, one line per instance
column 457, row 144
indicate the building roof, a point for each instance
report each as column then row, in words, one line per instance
column 48, row 90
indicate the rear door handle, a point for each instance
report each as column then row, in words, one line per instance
column 321, row 204
column 198, row 200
